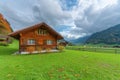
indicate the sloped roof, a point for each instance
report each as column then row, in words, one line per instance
column 16, row 34
column 5, row 24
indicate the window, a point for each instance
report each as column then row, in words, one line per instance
column 31, row 42
column 42, row 31
column 49, row 42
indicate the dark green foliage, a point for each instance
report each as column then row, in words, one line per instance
column 3, row 44
column 70, row 44
column 108, row 36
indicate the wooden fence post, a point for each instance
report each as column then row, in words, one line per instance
column 115, row 51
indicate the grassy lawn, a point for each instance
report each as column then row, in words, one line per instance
column 67, row 65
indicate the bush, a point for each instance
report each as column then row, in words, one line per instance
column 48, row 49
column 61, row 48
column 3, row 44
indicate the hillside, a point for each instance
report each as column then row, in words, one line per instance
column 4, row 26
column 108, row 36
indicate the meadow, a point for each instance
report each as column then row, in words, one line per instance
column 66, row 65
column 93, row 48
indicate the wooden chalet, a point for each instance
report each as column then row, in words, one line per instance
column 39, row 36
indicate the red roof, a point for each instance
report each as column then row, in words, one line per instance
column 16, row 34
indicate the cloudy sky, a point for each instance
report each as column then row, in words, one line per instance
column 71, row 18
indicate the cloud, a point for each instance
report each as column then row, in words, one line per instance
column 25, row 13
column 72, row 18
column 51, row 12
column 94, row 15
column 17, row 17
column 68, row 4
column 73, row 33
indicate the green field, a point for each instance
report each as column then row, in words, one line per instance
column 66, row 65
column 95, row 49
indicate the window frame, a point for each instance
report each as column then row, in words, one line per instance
column 49, row 42
column 31, row 42
column 42, row 31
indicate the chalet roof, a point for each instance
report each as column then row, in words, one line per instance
column 16, row 34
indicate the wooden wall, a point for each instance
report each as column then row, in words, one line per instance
column 40, row 40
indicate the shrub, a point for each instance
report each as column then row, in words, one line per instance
column 61, row 48
column 48, row 49
column 3, row 44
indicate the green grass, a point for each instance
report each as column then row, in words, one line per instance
column 67, row 65
column 10, row 49
column 95, row 49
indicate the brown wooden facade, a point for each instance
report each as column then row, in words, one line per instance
column 40, row 36
column 4, row 25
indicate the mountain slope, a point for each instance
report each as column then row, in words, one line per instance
column 108, row 36
column 4, row 26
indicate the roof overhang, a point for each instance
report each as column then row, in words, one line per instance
column 16, row 34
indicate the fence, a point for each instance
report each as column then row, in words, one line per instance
column 95, row 49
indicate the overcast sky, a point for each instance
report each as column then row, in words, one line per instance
column 71, row 18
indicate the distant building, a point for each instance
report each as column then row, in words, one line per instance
column 4, row 26
column 63, row 42
column 4, row 40
column 36, row 37
column 5, row 29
